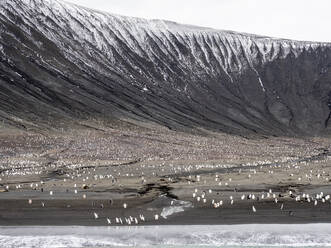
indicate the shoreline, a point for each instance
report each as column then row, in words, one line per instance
column 310, row 235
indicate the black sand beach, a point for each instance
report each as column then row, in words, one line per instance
column 55, row 180
column 73, row 213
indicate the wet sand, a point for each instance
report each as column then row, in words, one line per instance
column 71, row 212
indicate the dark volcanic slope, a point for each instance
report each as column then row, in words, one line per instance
column 60, row 62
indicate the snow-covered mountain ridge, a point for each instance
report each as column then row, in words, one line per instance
column 66, row 61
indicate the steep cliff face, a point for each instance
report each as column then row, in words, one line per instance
column 60, row 62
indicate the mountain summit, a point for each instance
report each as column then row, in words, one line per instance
column 61, row 64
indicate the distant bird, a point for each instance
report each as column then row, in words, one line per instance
column 125, row 205
column 108, row 221
column 96, row 216
column 254, row 209
column 156, row 217
column 30, row 201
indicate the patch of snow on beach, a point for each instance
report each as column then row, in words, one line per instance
column 176, row 207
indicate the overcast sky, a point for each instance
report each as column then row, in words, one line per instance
column 293, row 19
